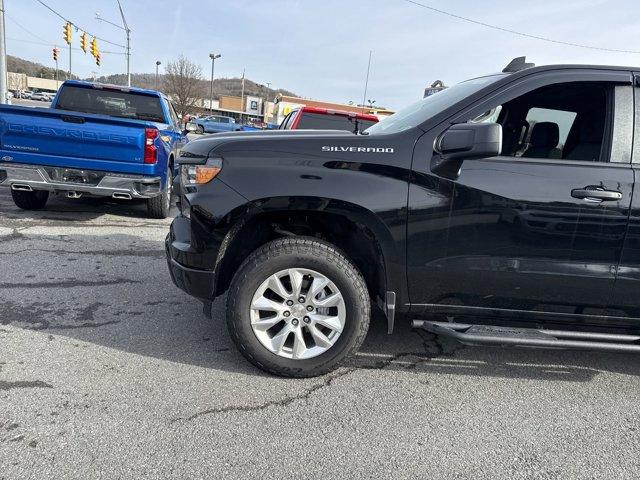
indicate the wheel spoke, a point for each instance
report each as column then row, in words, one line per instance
column 263, row 303
column 276, row 285
column 331, row 301
column 320, row 338
column 277, row 341
column 299, row 346
column 266, row 323
column 334, row 323
column 317, row 286
column 296, row 281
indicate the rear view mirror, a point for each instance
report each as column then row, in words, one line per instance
column 465, row 141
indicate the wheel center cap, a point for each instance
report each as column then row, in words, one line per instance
column 298, row 311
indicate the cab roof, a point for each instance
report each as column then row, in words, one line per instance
column 107, row 86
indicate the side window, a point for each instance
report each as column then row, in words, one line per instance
column 174, row 116
column 566, row 121
column 550, row 122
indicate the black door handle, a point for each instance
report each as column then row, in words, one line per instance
column 596, row 193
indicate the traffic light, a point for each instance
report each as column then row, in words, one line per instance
column 98, row 59
column 66, row 32
column 83, row 42
column 94, row 47
column 55, row 53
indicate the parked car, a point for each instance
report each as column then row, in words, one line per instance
column 40, row 96
column 100, row 140
column 316, row 118
column 216, row 124
column 449, row 214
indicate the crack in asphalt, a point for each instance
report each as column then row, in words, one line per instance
column 423, row 356
column 68, row 283
column 283, row 402
column 4, row 385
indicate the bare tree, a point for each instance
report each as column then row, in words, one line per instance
column 183, row 83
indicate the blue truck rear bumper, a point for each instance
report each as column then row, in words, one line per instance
column 92, row 182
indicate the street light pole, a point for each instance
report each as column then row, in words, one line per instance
column 157, row 65
column 213, row 57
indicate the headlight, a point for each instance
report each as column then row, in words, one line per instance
column 200, row 174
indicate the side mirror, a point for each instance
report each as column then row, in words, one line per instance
column 465, row 141
column 189, row 128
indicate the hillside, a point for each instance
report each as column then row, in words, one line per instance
column 221, row 86
column 33, row 69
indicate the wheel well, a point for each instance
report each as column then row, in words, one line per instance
column 356, row 240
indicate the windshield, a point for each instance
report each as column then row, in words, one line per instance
column 114, row 103
column 419, row 112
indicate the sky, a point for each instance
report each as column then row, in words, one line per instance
column 320, row 48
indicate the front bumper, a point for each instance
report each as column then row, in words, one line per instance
column 195, row 281
column 91, row 182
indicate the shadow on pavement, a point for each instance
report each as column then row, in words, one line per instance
column 81, row 209
column 115, row 291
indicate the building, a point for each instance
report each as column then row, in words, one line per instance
column 285, row 104
column 229, row 106
column 20, row 81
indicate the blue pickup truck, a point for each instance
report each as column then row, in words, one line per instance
column 216, row 124
column 98, row 140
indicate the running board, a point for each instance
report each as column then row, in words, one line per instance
column 468, row 334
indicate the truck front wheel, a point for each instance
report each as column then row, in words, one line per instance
column 34, row 200
column 297, row 307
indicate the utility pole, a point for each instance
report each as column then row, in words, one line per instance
column 127, row 30
column 3, row 57
column 158, row 62
column 213, row 57
column 242, row 96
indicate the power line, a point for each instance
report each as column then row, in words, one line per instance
column 23, row 27
column 51, row 44
column 514, row 32
column 78, row 27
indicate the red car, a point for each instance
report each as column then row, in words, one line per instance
column 315, row 118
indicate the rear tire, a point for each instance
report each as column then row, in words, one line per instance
column 160, row 205
column 34, row 200
column 307, row 255
column 200, row 129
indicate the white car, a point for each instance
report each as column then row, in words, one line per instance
column 41, row 96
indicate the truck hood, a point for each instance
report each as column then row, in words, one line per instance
column 218, row 143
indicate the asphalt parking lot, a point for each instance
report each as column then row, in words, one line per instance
column 108, row 371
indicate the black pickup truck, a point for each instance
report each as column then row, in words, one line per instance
column 500, row 211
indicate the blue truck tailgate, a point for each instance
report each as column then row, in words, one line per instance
column 42, row 136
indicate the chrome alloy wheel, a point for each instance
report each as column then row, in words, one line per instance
column 297, row 313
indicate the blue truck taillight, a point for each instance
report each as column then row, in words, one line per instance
column 150, row 150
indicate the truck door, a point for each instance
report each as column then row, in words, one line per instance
column 540, row 227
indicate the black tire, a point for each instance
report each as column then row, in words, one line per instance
column 298, row 252
column 200, row 129
column 160, row 205
column 34, row 200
